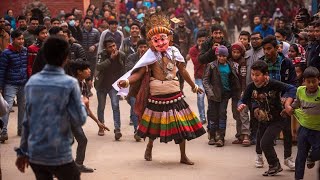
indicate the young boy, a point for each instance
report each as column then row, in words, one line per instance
column 244, row 38
column 220, row 82
column 238, row 52
column 264, row 93
column 307, row 112
column 81, row 71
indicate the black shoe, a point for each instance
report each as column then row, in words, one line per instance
column 310, row 163
column 19, row 132
column 273, row 170
column 117, row 134
column 82, row 168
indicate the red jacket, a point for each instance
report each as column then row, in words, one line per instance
column 32, row 53
column 198, row 67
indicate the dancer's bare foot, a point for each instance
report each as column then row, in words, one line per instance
column 148, row 153
column 186, row 160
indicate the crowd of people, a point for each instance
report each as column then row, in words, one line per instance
column 270, row 72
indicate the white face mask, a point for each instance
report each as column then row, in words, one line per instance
column 72, row 23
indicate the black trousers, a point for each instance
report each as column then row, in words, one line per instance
column 267, row 133
column 82, row 140
column 63, row 172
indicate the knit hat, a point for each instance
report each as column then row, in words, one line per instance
column 222, row 50
column 239, row 46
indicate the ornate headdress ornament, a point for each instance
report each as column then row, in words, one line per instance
column 157, row 23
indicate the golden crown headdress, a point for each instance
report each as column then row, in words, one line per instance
column 157, row 23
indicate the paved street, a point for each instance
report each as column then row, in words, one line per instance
column 124, row 159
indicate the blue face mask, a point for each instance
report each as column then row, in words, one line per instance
column 72, row 23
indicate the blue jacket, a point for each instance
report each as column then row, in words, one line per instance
column 53, row 105
column 13, row 67
column 264, row 33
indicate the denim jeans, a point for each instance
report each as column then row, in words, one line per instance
column 82, row 141
column 217, row 116
column 9, row 93
column 102, row 98
column 307, row 139
column 200, row 100
column 133, row 117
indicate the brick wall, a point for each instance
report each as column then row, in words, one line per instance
column 54, row 5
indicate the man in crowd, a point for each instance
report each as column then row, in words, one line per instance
column 207, row 53
column 132, row 59
column 13, row 77
column 22, row 22
column 51, row 119
column 4, row 36
column 29, row 35
column 129, row 45
column 185, row 36
column 42, row 33
column 110, row 67
column 75, row 30
column 264, row 28
column 90, row 42
column 113, row 32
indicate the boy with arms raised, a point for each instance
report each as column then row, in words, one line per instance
column 266, row 104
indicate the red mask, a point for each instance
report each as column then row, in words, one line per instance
column 160, row 42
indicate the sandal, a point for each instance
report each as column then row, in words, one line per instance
column 101, row 132
column 237, row 141
column 246, row 142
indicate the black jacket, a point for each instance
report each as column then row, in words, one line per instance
column 207, row 55
column 213, row 84
column 108, row 70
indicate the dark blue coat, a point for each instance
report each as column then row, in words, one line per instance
column 13, row 67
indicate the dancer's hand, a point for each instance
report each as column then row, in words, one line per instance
column 200, row 91
column 102, row 126
column 122, row 84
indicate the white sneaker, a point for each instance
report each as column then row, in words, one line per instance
column 259, row 161
column 290, row 163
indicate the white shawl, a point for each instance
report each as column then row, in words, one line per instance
column 148, row 58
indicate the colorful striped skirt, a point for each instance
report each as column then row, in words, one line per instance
column 170, row 118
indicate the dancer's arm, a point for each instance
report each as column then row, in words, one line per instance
column 136, row 76
column 187, row 77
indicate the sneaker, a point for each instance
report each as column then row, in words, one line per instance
column 117, row 134
column 82, row 168
column 137, row 137
column 212, row 141
column 259, row 161
column 3, row 137
column 131, row 123
column 220, row 143
column 290, row 163
column 203, row 121
column 273, row 170
column 310, row 163
column 101, row 132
